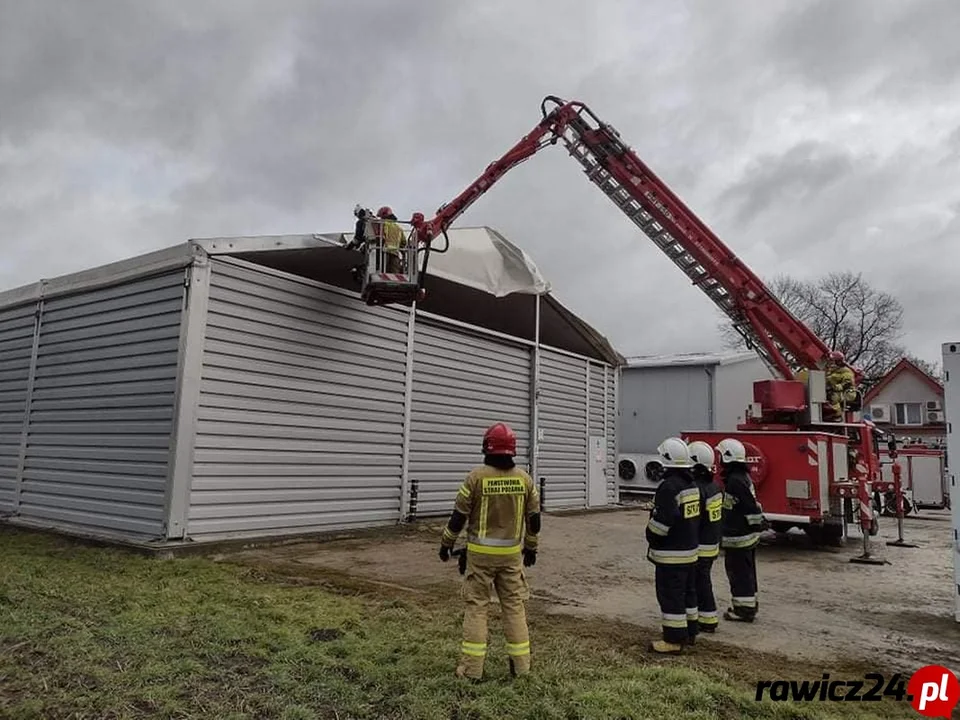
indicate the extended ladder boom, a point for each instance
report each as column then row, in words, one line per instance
column 785, row 344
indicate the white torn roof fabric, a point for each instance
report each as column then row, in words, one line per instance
column 482, row 258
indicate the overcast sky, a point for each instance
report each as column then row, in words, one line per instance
column 811, row 136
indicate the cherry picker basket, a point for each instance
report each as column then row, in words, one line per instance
column 392, row 272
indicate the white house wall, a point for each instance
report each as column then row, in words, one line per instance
column 905, row 388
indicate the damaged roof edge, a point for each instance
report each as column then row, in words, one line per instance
column 591, row 335
column 693, row 359
column 186, row 253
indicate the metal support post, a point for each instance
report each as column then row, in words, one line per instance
column 405, row 484
column 898, row 490
column 866, row 521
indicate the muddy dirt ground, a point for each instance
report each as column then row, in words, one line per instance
column 815, row 606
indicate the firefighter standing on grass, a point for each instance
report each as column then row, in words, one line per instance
column 711, row 509
column 742, row 523
column 673, row 538
column 497, row 502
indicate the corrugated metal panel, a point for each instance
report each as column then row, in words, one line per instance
column 657, row 403
column 101, row 412
column 300, row 419
column 563, row 419
column 462, row 383
column 611, row 411
column 17, row 326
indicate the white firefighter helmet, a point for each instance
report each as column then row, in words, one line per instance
column 732, row 451
column 702, row 454
column 674, row 453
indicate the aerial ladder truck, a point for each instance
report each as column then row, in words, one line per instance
column 809, row 472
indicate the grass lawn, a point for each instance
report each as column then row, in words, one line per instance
column 98, row 633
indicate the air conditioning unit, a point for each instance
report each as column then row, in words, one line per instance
column 880, row 413
column 934, row 405
column 639, row 469
column 935, row 416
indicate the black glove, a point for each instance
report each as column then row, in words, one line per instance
column 462, row 562
column 529, row 557
column 444, row 553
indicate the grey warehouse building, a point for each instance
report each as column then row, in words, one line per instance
column 238, row 388
column 664, row 395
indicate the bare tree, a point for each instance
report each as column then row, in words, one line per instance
column 932, row 369
column 849, row 315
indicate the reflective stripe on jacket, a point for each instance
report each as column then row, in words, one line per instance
column 742, row 514
column 497, row 504
column 711, row 515
column 673, row 528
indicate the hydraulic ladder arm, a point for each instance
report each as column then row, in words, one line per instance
column 784, row 343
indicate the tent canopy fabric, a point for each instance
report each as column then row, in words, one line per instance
column 482, row 258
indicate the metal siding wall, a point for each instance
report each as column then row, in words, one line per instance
column 101, row 411
column 656, row 403
column 17, row 327
column 462, row 383
column 300, row 418
column 563, row 419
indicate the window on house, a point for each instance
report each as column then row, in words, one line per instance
column 909, row 414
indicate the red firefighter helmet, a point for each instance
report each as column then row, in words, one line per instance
column 385, row 212
column 499, row 439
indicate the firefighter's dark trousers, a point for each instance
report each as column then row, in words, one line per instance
column 673, row 588
column 690, row 603
column 505, row 574
column 741, row 567
column 706, row 603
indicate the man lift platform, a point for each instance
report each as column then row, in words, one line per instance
column 394, row 264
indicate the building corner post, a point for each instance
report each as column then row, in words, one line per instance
column 534, row 449
column 405, row 514
column 25, row 429
column 193, row 325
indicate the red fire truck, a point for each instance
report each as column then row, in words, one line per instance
column 805, row 468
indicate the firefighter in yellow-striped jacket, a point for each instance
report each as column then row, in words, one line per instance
column 742, row 523
column 711, row 512
column 500, row 507
column 673, row 539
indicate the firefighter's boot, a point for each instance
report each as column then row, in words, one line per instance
column 665, row 648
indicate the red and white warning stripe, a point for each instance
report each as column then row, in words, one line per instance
column 812, row 455
column 391, row 277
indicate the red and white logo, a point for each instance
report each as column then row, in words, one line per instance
column 933, row 691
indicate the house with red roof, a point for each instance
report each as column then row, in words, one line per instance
column 909, row 403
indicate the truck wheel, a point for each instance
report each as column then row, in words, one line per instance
column 833, row 535
column 815, row 533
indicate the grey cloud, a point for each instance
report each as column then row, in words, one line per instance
column 800, row 175
column 870, row 45
column 125, row 127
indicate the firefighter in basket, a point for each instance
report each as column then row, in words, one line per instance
column 497, row 502
column 673, row 539
column 711, row 509
column 742, row 522
column 841, row 385
column 393, row 241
